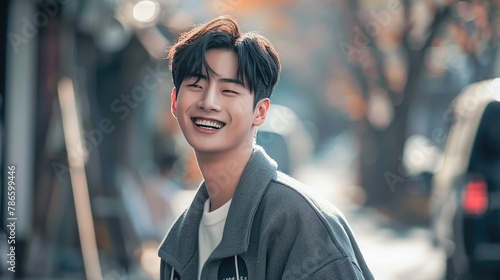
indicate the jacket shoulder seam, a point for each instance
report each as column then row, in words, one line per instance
column 318, row 214
column 333, row 260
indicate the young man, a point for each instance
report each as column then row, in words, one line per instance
column 247, row 220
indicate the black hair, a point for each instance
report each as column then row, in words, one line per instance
column 258, row 62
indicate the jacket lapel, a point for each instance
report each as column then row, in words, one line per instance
column 257, row 175
column 180, row 247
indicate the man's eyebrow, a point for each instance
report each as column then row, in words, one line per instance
column 200, row 76
column 232, row 81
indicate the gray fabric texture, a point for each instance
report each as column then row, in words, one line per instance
column 275, row 225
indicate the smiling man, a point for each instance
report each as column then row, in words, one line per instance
column 247, row 220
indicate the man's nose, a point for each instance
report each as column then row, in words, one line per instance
column 210, row 100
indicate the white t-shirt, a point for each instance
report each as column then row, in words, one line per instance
column 210, row 231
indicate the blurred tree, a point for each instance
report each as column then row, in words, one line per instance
column 387, row 50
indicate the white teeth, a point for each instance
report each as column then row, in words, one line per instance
column 208, row 124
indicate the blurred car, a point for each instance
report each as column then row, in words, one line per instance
column 465, row 198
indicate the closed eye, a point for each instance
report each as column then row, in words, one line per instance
column 194, row 86
column 230, row 91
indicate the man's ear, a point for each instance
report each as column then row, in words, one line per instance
column 173, row 96
column 260, row 112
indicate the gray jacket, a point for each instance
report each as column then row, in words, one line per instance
column 274, row 230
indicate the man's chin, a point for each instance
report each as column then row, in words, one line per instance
column 207, row 149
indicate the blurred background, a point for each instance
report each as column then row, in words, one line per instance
column 362, row 113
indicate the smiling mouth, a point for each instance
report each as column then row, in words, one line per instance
column 208, row 124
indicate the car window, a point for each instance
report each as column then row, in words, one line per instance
column 486, row 150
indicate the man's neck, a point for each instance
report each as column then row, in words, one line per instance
column 222, row 172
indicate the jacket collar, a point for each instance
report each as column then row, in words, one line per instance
column 181, row 244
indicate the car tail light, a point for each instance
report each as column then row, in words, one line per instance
column 475, row 199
